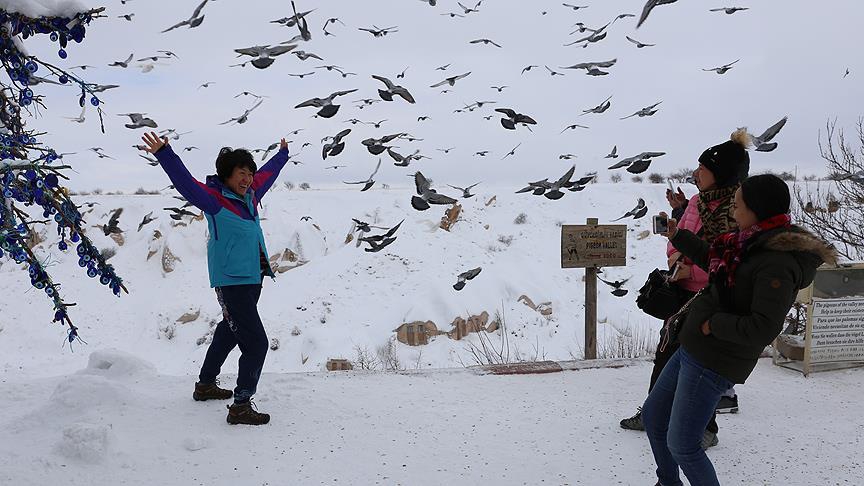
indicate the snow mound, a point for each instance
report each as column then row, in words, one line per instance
column 44, row 8
column 193, row 444
column 85, row 442
column 78, row 394
column 115, row 364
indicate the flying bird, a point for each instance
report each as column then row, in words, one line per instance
column 613, row 154
column 763, row 142
column 512, row 151
column 263, row 55
column 513, row 118
column 593, row 68
column 649, row 6
column 722, row 69
column 377, row 242
column 122, row 64
column 244, row 117
column 638, row 163
column 640, row 210
column 464, row 277
column 599, row 108
column 378, row 32
column 484, row 41
column 111, row 226
column 426, row 195
column 647, row 111
column 146, row 220
column 466, row 191
column 617, row 291
column 638, row 44
column 451, row 80
column 368, row 183
column 139, row 121
column 573, row 127
column 392, row 89
column 470, row 10
column 328, row 109
column 729, row 10
column 193, row 21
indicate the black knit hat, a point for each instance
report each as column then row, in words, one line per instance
column 766, row 195
column 729, row 161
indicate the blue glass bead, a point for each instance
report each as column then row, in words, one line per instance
column 91, row 273
column 51, row 180
column 74, row 237
column 62, row 54
column 94, row 101
column 64, row 79
column 62, row 246
column 54, row 36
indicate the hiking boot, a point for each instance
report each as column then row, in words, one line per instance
column 245, row 413
column 709, row 439
column 210, row 391
column 634, row 422
column 728, row 404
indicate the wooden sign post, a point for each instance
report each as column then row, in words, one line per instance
column 591, row 246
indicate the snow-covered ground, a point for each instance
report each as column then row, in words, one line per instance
column 120, row 422
column 344, row 297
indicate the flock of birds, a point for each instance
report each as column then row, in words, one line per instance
column 327, row 106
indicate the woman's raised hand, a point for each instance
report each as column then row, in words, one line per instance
column 153, row 142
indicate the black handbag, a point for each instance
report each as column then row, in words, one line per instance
column 672, row 325
column 659, row 298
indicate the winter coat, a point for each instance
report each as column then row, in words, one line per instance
column 236, row 241
column 748, row 316
column 692, row 222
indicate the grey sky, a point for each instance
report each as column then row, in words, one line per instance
column 792, row 63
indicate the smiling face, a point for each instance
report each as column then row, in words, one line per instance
column 744, row 216
column 705, row 180
column 240, row 180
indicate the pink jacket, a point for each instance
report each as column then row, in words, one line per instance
column 690, row 220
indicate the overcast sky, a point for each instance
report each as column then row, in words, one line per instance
column 793, row 56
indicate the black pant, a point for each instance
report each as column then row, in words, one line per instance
column 240, row 326
column 661, row 357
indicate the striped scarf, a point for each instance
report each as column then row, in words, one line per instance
column 724, row 256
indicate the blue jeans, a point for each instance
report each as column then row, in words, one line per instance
column 675, row 415
column 241, row 327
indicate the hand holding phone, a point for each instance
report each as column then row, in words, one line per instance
column 661, row 224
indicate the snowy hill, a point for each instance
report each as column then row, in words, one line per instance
column 343, row 297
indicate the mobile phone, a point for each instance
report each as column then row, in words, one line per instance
column 661, row 224
column 670, row 185
column 674, row 273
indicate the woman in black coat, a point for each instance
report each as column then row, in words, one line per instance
column 754, row 275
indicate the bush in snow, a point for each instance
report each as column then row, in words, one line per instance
column 364, row 359
column 505, row 240
column 305, row 186
column 388, row 356
column 289, row 185
column 656, row 178
column 637, row 179
column 615, row 178
column 522, row 218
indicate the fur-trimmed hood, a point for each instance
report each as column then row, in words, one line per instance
column 808, row 249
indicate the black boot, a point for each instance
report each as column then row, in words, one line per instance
column 210, row 391
column 634, row 422
column 244, row 413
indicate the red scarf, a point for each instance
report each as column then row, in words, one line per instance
column 725, row 253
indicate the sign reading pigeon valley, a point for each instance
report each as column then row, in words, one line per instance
column 584, row 246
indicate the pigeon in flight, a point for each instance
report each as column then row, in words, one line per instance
column 378, row 32
column 178, row 213
column 580, row 184
column 574, row 7
column 638, row 163
column 513, row 118
column 465, row 276
column 244, row 117
column 613, row 154
column 593, row 68
column 649, row 6
column 466, row 191
column 599, row 108
column 617, row 291
column 207, row 84
column 647, row 111
column 729, row 10
column 328, row 109
column 638, row 44
column 553, row 191
column 528, row 68
column 763, row 142
column 303, row 55
column 724, row 68
column 152, row 162
column 470, row 10
column 573, row 127
column 263, row 55
column 640, row 210
column 148, row 218
column 292, row 20
column 377, row 242
column 305, row 33
column 80, row 118
column 139, row 121
column 498, row 88
column 512, row 151
column 301, row 75
column 392, row 89
column 484, row 41
column 335, row 146
column 122, row 64
column 193, row 21
column 451, row 80
column 426, row 195
column 376, row 146
column 368, row 183
column 112, row 227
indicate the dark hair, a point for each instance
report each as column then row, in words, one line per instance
column 230, row 159
column 766, row 195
